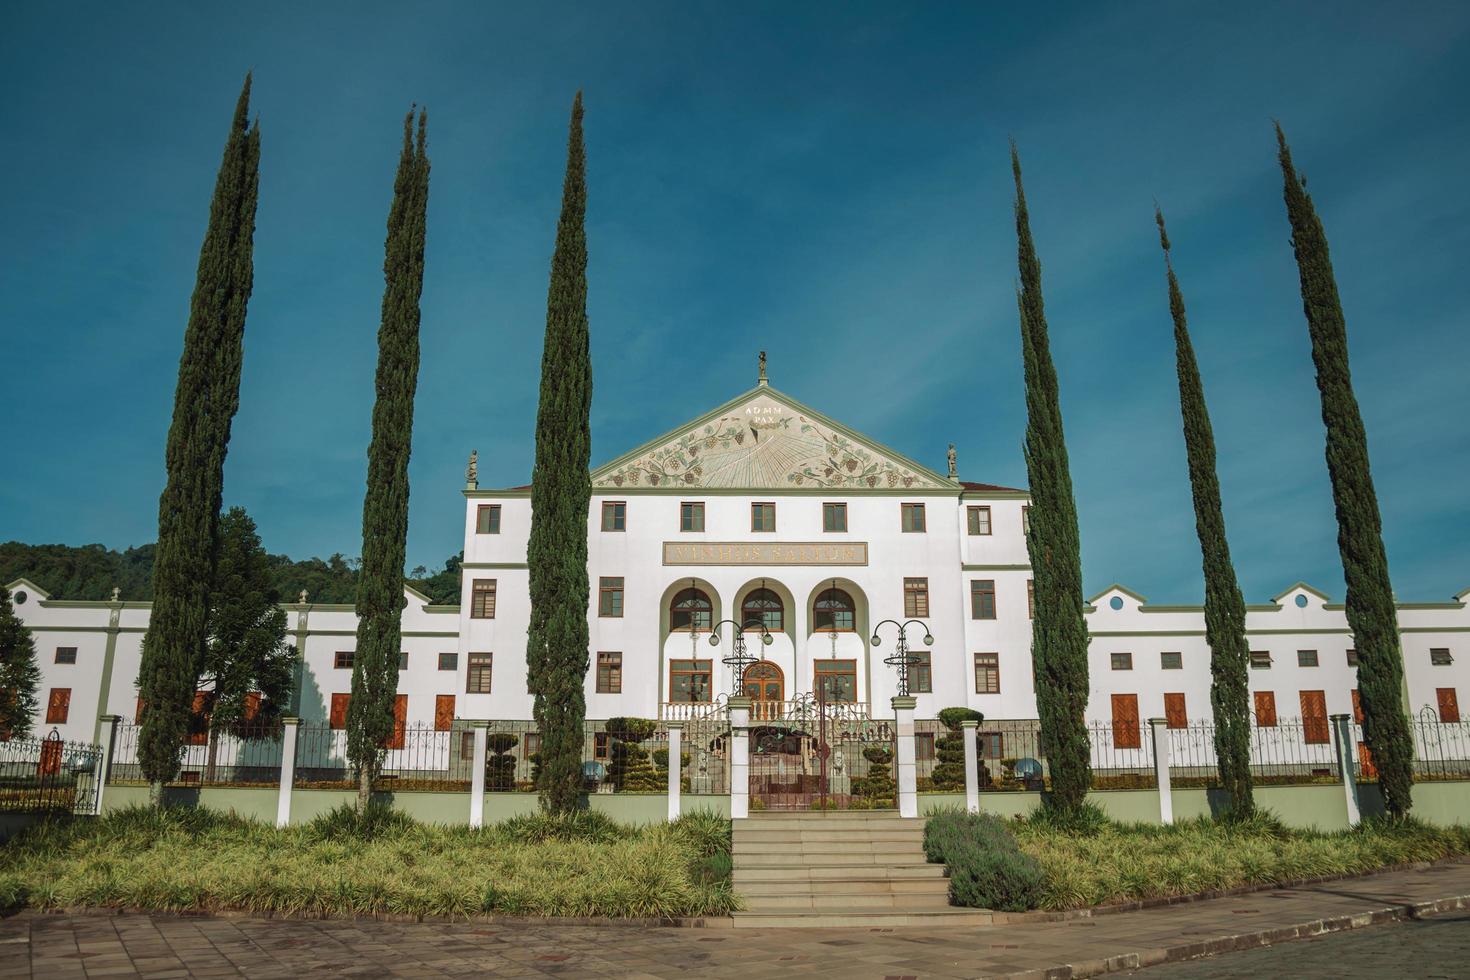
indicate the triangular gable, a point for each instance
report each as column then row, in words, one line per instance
column 26, row 585
column 1115, row 587
column 1304, row 587
column 765, row 440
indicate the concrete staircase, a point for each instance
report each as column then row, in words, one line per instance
column 839, row 868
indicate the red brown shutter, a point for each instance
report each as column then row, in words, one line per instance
column 58, row 705
column 443, row 712
column 1174, row 712
column 400, row 723
column 1357, row 708
column 1449, row 705
column 138, row 717
column 199, row 717
column 1266, row 709
column 1314, row 717
column 339, row 710
column 252, row 705
column 1125, row 722
column 50, row 763
column 1366, row 768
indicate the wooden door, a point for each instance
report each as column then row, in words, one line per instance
column 1449, row 705
column 1125, row 722
column 1315, row 730
column 1265, row 709
column 765, row 686
column 443, row 712
column 50, row 763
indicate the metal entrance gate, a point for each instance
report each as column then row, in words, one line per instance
column 821, row 755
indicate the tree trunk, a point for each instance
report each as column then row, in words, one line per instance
column 364, row 788
column 211, row 756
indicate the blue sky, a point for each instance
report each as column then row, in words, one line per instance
column 828, row 182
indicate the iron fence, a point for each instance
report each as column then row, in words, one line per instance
column 245, row 755
column 48, row 775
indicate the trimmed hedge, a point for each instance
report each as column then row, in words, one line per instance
column 986, row 867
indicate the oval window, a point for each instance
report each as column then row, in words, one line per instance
column 1116, row 602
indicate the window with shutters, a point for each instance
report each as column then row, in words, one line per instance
column 1449, row 704
column 982, row 598
column 449, row 660
column 1175, row 715
column 1315, row 729
column 58, row 705
column 912, row 517
column 1265, row 709
column 138, row 714
column 689, row 681
column 338, row 717
column 477, row 678
column 1122, row 661
column 1357, row 707
column 394, row 739
column 199, row 718
column 610, row 596
column 1440, row 657
column 1171, row 660
column 763, row 517
column 691, row 515
column 921, row 672
column 1306, row 658
column 834, row 517
column 614, row 515
column 487, row 519
column 609, row 673
column 1126, row 734
column 993, row 745
column 987, row 673
column 443, row 712
column 916, row 597
column 1260, row 660
column 66, row 655
column 978, row 520
column 482, row 599
column 252, row 706
column 343, row 660
column 924, row 746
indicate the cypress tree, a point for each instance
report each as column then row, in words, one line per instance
column 20, row 677
column 205, row 401
column 380, row 598
column 1058, row 629
column 1370, row 607
column 561, row 488
column 1224, row 606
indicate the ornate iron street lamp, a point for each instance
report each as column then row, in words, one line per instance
column 739, row 659
column 900, row 658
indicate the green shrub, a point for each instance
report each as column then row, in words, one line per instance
column 1087, row 819
column 592, row 826
column 346, row 823
column 949, row 771
column 631, row 769
column 985, row 865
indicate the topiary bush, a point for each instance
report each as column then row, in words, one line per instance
column 877, row 786
column 949, row 771
column 986, row 867
column 500, row 767
column 631, row 769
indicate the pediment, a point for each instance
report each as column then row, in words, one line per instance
column 765, row 440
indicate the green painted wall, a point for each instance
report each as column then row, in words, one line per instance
column 1323, row 807
column 1444, row 803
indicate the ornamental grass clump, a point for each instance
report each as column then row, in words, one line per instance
column 985, row 866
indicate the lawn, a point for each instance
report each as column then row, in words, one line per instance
column 198, row 860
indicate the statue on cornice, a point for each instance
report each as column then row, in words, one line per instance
column 116, row 594
column 301, row 598
column 472, row 472
column 954, row 470
column 761, row 379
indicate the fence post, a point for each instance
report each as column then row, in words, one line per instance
column 972, row 765
column 908, row 795
column 289, row 728
column 107, row 730
column 1342, row 736
column 676, row 767
column 1160, row 732
column 739, row 757
column 477, row 773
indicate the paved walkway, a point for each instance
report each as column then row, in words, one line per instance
column 64, row 946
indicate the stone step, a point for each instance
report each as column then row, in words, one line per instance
column 808, row 816
column 784, row 871
column 846, row 903
column 784, row 835
column 812, row 848
column 829, row 918
column 869, row 859
column 850, row 886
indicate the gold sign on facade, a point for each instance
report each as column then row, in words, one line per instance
column 765, row 553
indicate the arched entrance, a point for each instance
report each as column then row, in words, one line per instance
column 765, row 685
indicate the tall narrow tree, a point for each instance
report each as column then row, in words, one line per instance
column 1224, row 606
column 20, row 677
column 1058, row 629
column 1370, row 607
column 205, row 401
column 380, row 599
column 556, row 640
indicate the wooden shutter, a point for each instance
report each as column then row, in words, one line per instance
column 1266, row 709
column 1357, row 708
column 58, row 705
column 1314, row 717
column 199, row 718
column 1174, row 713
column 400, row 722
column 1366, row 768
column 443, row 712
column 252, row 705
column 1449, row 705
column 1125, row 722
column 50, row 763
column 138, row 715
column 339, row 710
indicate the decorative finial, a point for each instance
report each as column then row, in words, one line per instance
column 472, row 472
column 761, row 381
column 954, row 470
column 301, row 597
column 116, row 593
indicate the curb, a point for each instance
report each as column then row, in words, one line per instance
column 1245, row 940
column 671, row 922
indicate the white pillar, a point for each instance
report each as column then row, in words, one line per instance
column 676, row 768
column 289, row 727
column 972, row 765
column 477, row 773
column 908, row 786
column 1342, row 735
column 739, row 757
column 1160, row 733
column 107, row 732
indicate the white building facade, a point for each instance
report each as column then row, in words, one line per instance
column 765, row 512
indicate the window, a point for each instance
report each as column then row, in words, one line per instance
column 993, row 745
column 921, row 674
column 1440, row 657
column 400, row 723
column 924, row 746
column 1265, row 709
column 487, row 519
column 762, row 606
column 763, row 517
column 834, row 517
column 1314, row 716
column 834, row 612
column 690, row 610
column 338, row 718
column 1357, row 707
column 1174, row 714
column 1026, row 519
column 689, row 681
column 912, row 517
column 1125, row 722
column 1122, row 661
column 916, row 597
column 532, row 744
column 1171, row 661
column 403, row 660
column 477, row 680
column 610, row 596
column 982, row 598
column 467, row 746
column 614, row 515
column 1306, row 658
column 66, row 655
column 344, row 659
column 837, row 680
column 601, row 747
column 1260, row 660
column 449, row 661
column 1352, row 658
column 978, row 519
column 482, row 599
column 199, row 713
column 609, row 673
column 58, row 705
column 987, row 673
column 443, row 712
column 691, row 516
column 1030, row 598
column 1449, row 704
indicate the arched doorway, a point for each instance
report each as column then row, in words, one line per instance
column 765, row 685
